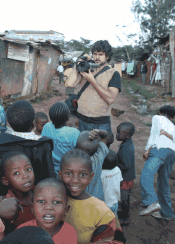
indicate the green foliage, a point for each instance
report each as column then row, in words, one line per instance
column 138, row 89
column 156, row 18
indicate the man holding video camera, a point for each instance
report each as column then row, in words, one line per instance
column 95, row 103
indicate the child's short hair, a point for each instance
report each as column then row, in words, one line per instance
column 8, row 157
column 110, row 161
column 20, row 116
column 51, row 181
column 86, row 144
column 59, row 114
column 76, row 154
column 128, row 127
column 28, row 235
column 167, row 110
column 110, row 139
column 41, row 115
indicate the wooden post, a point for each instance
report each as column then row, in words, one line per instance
column 172, row 51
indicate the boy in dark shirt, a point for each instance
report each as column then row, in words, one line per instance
column 126, row 163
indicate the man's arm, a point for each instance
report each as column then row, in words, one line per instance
column 74, row 78
column 109, row 95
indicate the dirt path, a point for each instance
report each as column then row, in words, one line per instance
column 145, row 229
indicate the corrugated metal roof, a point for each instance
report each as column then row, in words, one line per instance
column 34, row 32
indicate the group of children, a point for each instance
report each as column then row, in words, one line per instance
column 82, row 204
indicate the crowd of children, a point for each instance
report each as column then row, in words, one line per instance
column 81, row 194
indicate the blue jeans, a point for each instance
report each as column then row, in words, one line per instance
column 114, row 209
column 160, row 161
column 91, row 126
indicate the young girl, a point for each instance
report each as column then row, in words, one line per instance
column 17, row 177
column 40, row 120
column 90, row 217
column 64, row 137
column 49, row 207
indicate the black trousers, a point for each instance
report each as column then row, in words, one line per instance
column 124, row 205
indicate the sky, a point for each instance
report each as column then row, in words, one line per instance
column 91, row 19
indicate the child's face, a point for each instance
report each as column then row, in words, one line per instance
column 49, row 206
column 40, row 124
column 19, row 174
column 121, row 135
column 76, row 176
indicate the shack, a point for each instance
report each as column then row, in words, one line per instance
column 26, row 66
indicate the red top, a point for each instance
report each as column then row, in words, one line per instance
column 66, row 235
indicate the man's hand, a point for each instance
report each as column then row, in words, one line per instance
column 88, row 76
column 9, row 208
column 145, row 155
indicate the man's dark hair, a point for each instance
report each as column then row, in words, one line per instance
column 76, row 154
column 86, row 144
column 167, row 110
column 20, row 116
column 103, row 46
column 128, row 127
column 28, row 235
column 110, row 161
column 59, row 114
column 41, row 115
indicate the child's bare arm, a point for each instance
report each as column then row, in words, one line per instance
column 99, row 134
column 163, row 132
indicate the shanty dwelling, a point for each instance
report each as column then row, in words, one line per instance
column 26, row 67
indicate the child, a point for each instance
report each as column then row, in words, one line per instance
column 64, row 137
column 28, row 235
column 49, row 207
column 126, row 162
column 73, row 121
column 40, row 120
column 111, row 177
column 17, row 176
column 90, row 217
column 20, row 116
column 94, row 143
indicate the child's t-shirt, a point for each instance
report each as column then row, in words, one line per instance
column 111, row 185
column 26, row 135
column 24, row 215
column 64, row 139
column 3, row 120
column 87, row 215
column 66, row 235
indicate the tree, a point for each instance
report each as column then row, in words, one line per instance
column 156, row 17
column 75, row 45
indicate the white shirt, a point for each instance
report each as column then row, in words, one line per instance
column 60, row 69
column 27, row 135
column 161, row 141
column 111, row 185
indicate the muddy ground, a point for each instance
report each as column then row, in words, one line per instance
column 142, row 229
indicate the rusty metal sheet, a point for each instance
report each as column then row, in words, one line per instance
column 12, row 76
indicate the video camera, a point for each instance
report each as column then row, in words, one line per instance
column 86, row 65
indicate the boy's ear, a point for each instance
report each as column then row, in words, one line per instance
column 66, row 210
column 5, row 181
column 59, row 174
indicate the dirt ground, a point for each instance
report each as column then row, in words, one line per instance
column 142, row 229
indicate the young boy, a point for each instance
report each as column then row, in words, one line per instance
column 49, row 208
column 20, row 116
column 111, row 177
column 40, row 120
column 126, row 163
column 94, row 143
column 90, row 217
